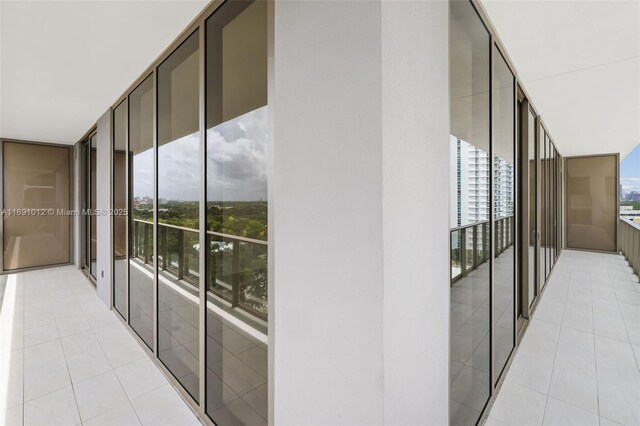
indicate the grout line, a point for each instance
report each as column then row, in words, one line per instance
column 564, row 306
column 24, row 296
column 595, row 351
column 73, row 390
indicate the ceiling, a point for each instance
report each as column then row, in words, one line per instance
column 579, row 61
column 64, row 63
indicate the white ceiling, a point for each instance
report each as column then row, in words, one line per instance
column 63, row 63
column 580, row 63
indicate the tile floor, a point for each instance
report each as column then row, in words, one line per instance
column 65, row 359
column 578, row 361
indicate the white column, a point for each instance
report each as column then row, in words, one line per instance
column 327, row 214
column 359, row 176
column 415, row 129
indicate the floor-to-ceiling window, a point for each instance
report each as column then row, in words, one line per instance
column 504, row 172
column 35, row 189
column 89, row 149
column 197, row 225
column 470, row 83
column 543, row 206
column 236, row 213
column 119, row 208
column 141, row 167
column 532, row 219
column 178, row 177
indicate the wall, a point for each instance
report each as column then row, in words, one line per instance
column 327, row 214
column 359, row 205
column 415, row 151
column 103, row 203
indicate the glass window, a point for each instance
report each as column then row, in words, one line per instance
column 533, row 291
column 554, row 205
column 92, row 156
column 543, row 207
column 549, row 210
column 178, row 212
column 470, row 86
column 504, row 208
column 141, row 169
column 35, row 177
column 119, row 206
column 236, row 205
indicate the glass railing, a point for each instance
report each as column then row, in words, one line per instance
column 237, row 265
column 470, row 245
column 629, row 242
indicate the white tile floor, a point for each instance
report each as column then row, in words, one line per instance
column 65, row 359
column 578, row 363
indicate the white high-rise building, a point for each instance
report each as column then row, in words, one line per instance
column 470, row 195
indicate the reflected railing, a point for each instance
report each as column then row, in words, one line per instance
column 470, row 245
column 629, row 242
column 237, row 265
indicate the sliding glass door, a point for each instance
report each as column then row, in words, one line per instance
column 471, row 230
column 89, row 231
column 141, row 160
column 178, row 204
column 236, row 212
column 504, row 211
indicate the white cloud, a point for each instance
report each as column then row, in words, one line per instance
column 236, row 163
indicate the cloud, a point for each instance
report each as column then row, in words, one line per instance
column 237, row 158
column 630, row 184
column 236, row 163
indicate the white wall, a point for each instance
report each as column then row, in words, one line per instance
column 415, row 148
column 327, row 189
column 103, row 203
column 360, row 206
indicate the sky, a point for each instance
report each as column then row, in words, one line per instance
column 630, row 171
column 236, row 163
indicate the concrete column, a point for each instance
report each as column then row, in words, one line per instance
column 415, row 151
column 327, row 214
column 360, row 212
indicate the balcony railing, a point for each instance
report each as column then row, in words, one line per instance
column 470, row 245
column 629, row 242
column 237, row 266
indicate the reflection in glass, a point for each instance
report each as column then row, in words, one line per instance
column 532, row 207
column 236, row 193
column 178, row 210
column 35, row 177
column 469, row 70
column 543, row 209
column 552, row 204
column 141, row 216
column 92, row 188
column 504, row 196
column 119, row 205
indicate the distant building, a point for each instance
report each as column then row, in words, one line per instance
column 470, row 195
column 633, row 196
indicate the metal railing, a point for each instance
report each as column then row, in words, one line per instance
column 470, row 245
column 629, row 242
column 237, row 266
